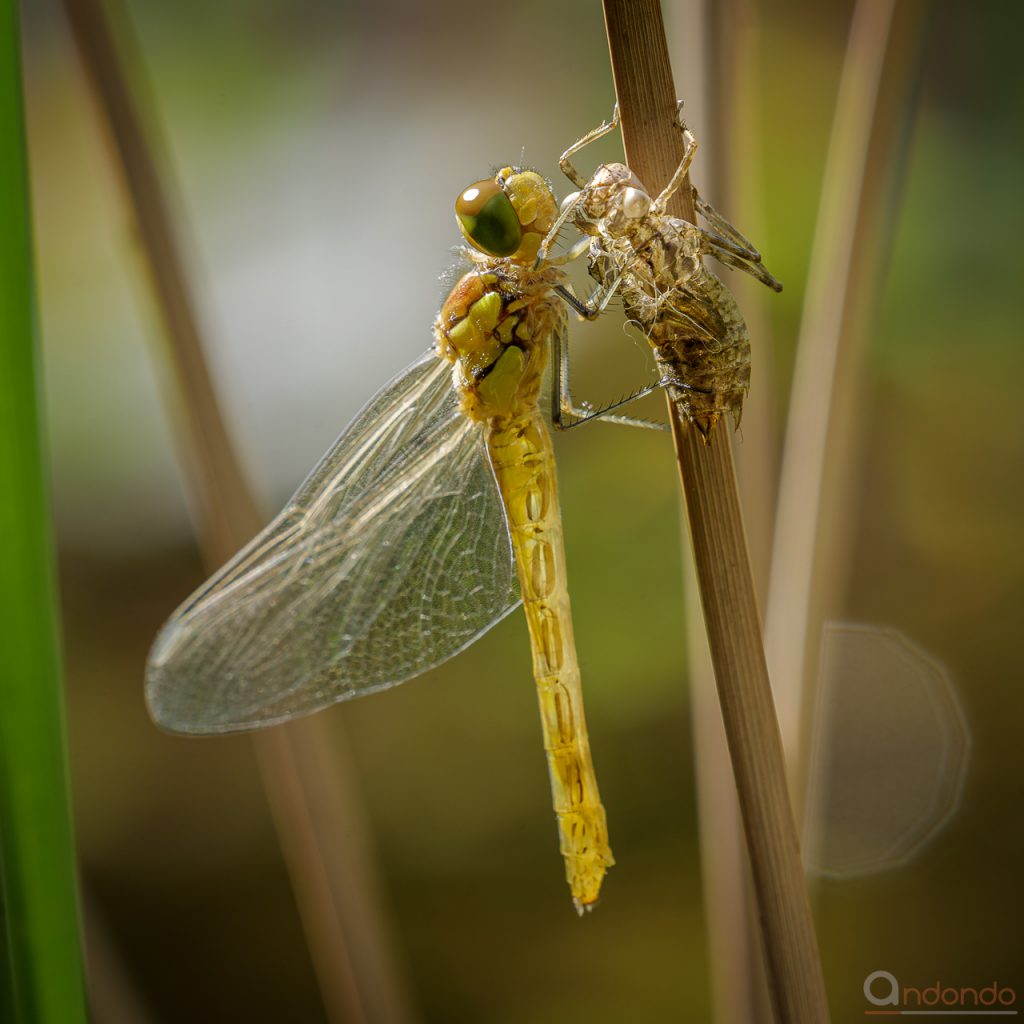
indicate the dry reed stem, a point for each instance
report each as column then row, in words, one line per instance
column 852, row 240
column 646, row 96
column 318, row 818
column 718, row 46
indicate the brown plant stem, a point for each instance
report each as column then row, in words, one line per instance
column 716, row 57
column 319, row 821
column 646, row 96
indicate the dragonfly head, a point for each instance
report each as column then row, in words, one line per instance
column 507, row 215
column 611, row 202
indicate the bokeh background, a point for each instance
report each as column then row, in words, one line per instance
column 316, row 149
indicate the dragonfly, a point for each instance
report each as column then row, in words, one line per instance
column 428, row 520
column 655, row 263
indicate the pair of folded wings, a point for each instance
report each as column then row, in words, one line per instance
column 390, row 558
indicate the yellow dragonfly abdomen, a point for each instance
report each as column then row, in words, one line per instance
column 496, row 329
column 523, row 462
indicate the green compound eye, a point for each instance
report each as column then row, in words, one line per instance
column 488, row 219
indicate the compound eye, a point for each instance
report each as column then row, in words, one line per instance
column 488, row 219
column 635, row 203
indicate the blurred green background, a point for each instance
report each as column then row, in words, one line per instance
column 317, row 149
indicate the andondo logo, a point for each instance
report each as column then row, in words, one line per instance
column 883, row 990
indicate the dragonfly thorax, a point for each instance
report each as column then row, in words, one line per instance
column 495, row 328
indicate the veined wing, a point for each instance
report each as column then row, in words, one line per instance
column 390, row 558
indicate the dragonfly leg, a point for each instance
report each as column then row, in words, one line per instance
column 724, row 228
column 757, row 270
column 576, row 178
column 631, row 421
column 568, row 209
column 592, row 136
column 689, row 152
column 559, row 261
column 596, row 302
column 710, row 237
column 581, row 307
column 565, row 414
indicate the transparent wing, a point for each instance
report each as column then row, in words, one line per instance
column 390, row 558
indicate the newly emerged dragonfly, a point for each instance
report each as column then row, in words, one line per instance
column 404, row 544
column 655, row 263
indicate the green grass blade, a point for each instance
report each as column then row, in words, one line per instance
column 42, row 976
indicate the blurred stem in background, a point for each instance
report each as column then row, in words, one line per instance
column 852, row 244
column 853, row 239
column 319, row 819
column 42, row 978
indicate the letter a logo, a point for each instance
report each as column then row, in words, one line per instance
column 891, row 998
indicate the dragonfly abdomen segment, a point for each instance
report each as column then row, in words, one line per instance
column 523, row 462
